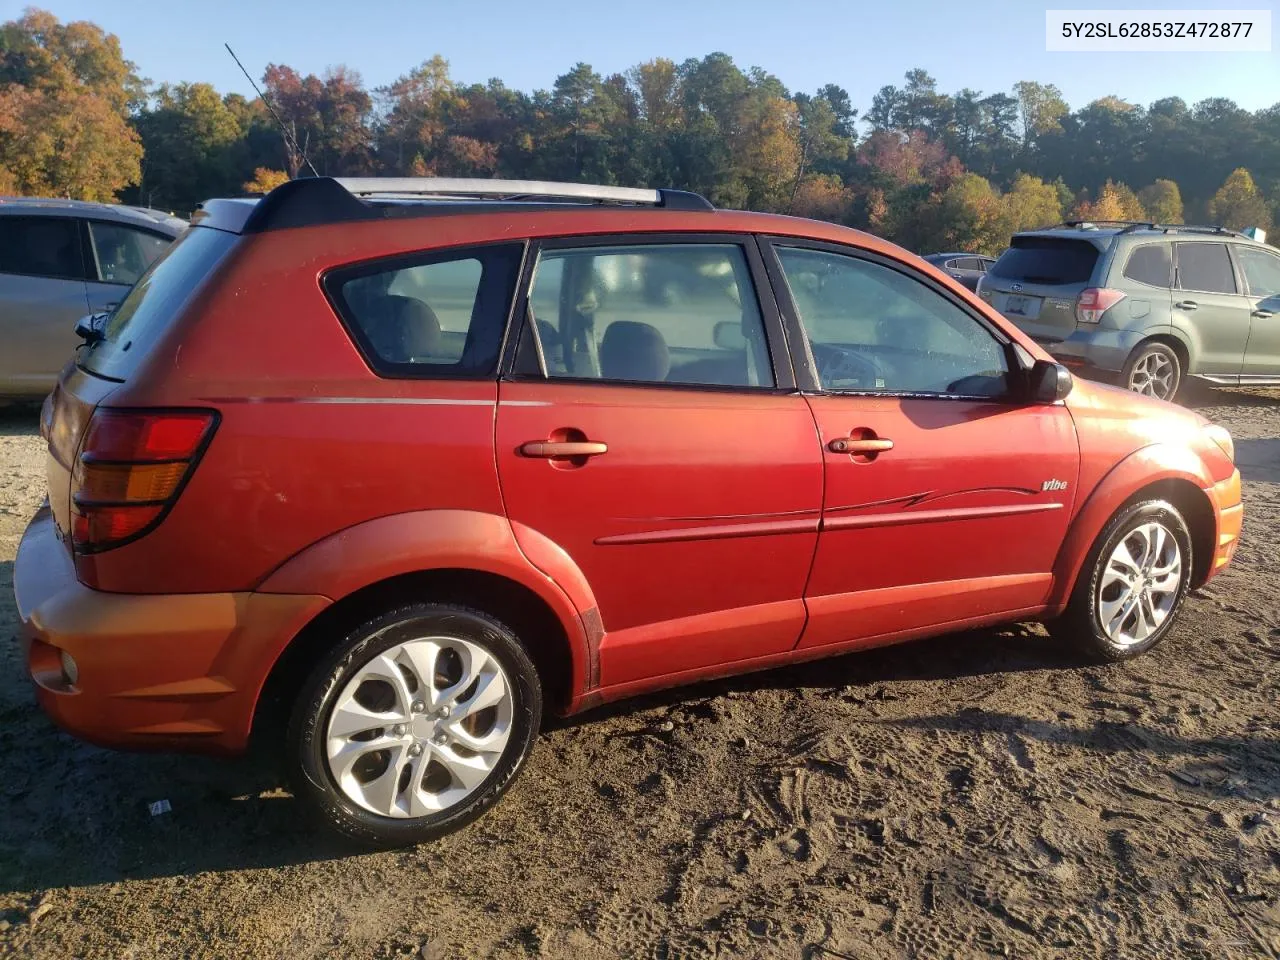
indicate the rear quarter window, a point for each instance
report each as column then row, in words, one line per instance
column 440, row 314
column 1053, row 261
column 155, row 301
column 41, row 247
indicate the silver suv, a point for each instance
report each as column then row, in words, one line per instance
column 1151, row 303
column 61, row 260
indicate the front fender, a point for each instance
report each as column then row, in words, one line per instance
column 377, row 550
column 1151, row 464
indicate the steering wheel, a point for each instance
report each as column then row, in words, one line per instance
column 846, row 366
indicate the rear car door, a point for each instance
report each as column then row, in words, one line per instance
column 1036, row 281
column 119, row 256
column 1261, row 272
column 1209, row 301
column 651, row 429
column 42, row 295
column 946, row 497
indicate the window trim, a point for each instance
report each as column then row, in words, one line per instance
column 517, row 361
column 90, row 253
column 1173, row 268
column 1234, row 250
column 1177, row 268
column 81, row 230
column 332, row 279
column 802, row 356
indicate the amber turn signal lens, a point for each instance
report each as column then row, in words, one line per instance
column 127, row 482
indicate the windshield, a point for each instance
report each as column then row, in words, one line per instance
column 154, row 302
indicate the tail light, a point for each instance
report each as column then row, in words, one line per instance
column 1094, row 302
column 131, row 468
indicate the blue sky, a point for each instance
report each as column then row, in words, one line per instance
column 858, row 44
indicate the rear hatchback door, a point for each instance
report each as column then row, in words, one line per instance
column 148, row 309
column 1036, row 281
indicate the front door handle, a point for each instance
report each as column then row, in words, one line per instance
column 850, row 445
column 1186, row 305
column 1263, row 314
column 549, row 449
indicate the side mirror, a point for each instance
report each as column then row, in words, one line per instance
column 1048, row 382
column 88, row 327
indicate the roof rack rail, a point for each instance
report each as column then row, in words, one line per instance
column 461, row 187
column 1199, row 228
column 1134, row 224
column 311, row 201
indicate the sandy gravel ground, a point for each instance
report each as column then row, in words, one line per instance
column 978, row 794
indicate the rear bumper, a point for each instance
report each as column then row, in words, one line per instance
column 152, row 671
column 1095, row 348
column 1230, row 514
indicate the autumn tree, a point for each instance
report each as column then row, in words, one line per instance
column 1162, row 201
column 65, row 95
column 1238, row 204
column 1030, row 203
column 188, row 135
column 264, row 180
column 1041, row 108
column 1115, row 201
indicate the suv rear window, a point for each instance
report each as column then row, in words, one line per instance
column 155, row 301
column 1151, row 264
column 1054, row 261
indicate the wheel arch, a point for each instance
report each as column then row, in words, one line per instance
column 448, row 555
column 1171, row 338
column 1159, row 471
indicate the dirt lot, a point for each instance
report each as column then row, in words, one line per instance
column 976, row 794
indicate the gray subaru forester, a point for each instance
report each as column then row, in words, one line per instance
column 1150, row 303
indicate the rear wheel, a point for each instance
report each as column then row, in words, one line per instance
column 1131, row 588
column 414, row 725
column 1154, row 370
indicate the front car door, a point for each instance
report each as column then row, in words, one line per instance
column 119, row 256
column 42, row 295
column 1208, row 303
column 1260, row 269
column 651, row 429
column 947, row 498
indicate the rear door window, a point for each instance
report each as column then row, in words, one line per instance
column 441, row 314
column 682, row 313
column 1052, row 261
column 41, row 247
column 1205, row 268
column 123, row 253
column 1151, row 264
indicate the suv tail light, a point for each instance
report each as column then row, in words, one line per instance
column 1094, row 302
column 131, row 468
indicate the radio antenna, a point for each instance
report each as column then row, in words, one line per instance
column 290, row 140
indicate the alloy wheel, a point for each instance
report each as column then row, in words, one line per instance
column 1154, row 375
column 419, row 727
column 1139, row 585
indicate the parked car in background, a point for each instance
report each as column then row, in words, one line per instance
column 61, row 260
column 1153, row 304
column 968, row 268
column 383, row 467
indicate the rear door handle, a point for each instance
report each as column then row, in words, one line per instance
column 1263, row 314
column 1186, row 305
column 549, row 449
column 849, row 445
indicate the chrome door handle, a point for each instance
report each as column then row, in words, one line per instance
column 848, row 445
column 1263, row 314
column 549, row 449
column 1186, row 305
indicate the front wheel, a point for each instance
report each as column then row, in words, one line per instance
column 1154, row 370
column 1132, row 585
column 414, row 725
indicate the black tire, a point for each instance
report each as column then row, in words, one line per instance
column 307, row 763
column 1081, row 625
column 1145, row 356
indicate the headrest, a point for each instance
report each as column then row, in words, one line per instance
column 634, row 351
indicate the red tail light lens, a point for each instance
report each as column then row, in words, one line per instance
column 1094, row 302
column 131, row 468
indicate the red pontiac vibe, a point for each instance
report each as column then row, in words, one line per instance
column 412, row 460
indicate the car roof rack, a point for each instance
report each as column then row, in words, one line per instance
column 1199, row 228
column 312, row 201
